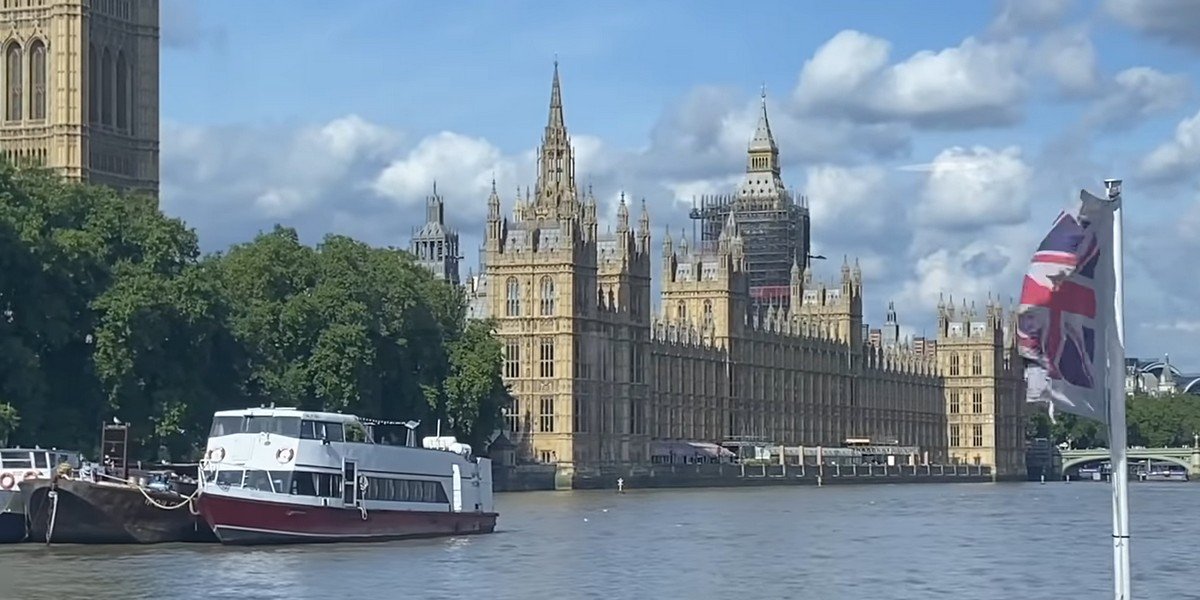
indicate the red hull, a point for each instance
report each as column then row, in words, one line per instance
column 245, row 521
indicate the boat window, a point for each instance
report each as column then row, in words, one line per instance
column 229, row 478
column 404, row 490
column 355, row 432
column 258, row 480
column 40, row 460
column 316, row 430
column 321, row 485
column 16, row 459
column 289, row 426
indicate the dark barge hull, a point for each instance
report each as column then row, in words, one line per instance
column 12, row 517
column 108, row 513
column 241, row 521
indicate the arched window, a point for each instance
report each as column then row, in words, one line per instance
column 681, row 311
column 977, row 363
column 547, row 296
column 954, row 364
column 93, row 85
column 37, row 80
column 106, row 88
column 12, row 81
column 708, row 312
column 122, row 92
column 512, row 298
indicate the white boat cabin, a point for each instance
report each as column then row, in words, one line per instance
column 334, row 459
column 19, row 464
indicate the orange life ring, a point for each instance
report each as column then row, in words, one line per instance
column 30, row 475
column 7, row 481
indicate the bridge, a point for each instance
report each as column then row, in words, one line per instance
column 1188, row 458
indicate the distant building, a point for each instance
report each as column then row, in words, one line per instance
column 1158, row 377
column 81, row 89
column 434, row 244
column 597, row 374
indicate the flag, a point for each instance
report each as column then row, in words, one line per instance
column 1066, row 321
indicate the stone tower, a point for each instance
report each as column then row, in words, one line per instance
column 984, row 403
column 572, row 312
column 435, row 245
column 81, row 89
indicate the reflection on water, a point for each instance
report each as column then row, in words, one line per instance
column 964, row 541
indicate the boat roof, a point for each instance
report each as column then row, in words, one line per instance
column 287, row 412
column 24, row 449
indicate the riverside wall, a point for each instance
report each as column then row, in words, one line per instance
column 549, row 477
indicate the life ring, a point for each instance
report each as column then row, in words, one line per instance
column 285, row 455
column 7, row 481
column 30, row 475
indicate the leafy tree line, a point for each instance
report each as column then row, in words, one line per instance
column 1151, row 421
column 108, row 308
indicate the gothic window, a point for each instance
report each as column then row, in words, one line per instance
column 977, row 401
column 954, row 406
column 122, row 92
column 512, row 359
column 954, row 439
column 513, row 414
column 106, row 88
column 977, row 363
column 546, row 418
column 93, row 85
column 547, row 297
column 708, row 312
column 512, row 298
column 12, row 81
column 977, row 435
column 37, row 80
column 578, row 416
column 681, row 311
column 954, row 364
column 546, row 358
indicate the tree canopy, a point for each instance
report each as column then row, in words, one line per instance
column 1151, row 421
column 108, row 308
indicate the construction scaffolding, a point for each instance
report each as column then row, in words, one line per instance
column 775, row 233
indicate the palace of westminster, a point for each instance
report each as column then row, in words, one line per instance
column 744, row 343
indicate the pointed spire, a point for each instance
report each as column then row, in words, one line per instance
column 763, row 140
column 556, row 120
column 622, row 215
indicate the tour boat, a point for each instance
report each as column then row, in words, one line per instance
column 18, row 466
column 280, row 475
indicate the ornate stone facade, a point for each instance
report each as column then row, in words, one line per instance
column 435, row 245
column 81, row 89
column 596, row 374
column 984, row 386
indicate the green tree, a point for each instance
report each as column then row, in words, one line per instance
column 8, row 421
column 474, row 391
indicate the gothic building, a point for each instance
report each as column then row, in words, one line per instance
column 434, row 245
column 598, row 376
column 81, row 89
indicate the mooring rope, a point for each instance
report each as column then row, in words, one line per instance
column 187, row 501
column 53, row 514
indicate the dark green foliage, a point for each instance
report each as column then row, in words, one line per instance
column 108, row 309
column 1152, row 421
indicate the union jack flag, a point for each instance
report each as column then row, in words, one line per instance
column 1064, row 323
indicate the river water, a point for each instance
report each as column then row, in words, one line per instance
column 961, row 541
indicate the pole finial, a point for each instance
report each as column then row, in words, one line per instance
column 1113, row 187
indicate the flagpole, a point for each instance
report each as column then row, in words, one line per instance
column 1116, row 408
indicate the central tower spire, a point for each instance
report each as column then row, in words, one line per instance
column 556, row 194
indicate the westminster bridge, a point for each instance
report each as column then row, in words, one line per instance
column 1188, row 458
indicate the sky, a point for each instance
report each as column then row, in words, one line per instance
column 935, row 141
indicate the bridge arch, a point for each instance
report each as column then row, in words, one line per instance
column 1156, row 368
column 1092, row 458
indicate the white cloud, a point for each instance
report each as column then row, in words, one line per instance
column 1020, row 16
column 1069, row 58
column 1139, row 93
column 848, row 196
column 1178, row 325
column 970, row 85
column 976, row 187
column 462, row 166
column 1178, row 157
column 1174, row 21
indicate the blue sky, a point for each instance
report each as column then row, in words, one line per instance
column 935, row 140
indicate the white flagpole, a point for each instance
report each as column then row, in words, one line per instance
column 1116, row 409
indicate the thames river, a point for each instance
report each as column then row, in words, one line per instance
column 961, row 541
